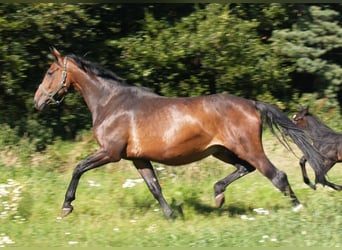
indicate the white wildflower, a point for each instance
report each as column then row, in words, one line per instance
column 93, row 183
column 261, row 211
column 72, row 242
column 5, row 240
column 9, row 198
column 245, row 217
column 160, row 168
column 129, row 183
column 266, row 237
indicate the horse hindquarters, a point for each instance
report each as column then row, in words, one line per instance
column 246, row 153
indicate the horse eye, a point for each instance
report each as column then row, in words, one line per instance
column 50, row 72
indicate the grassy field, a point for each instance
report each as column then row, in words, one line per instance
column 114, row 208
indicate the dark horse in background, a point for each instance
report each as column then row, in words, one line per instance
column 136, row 124
column 325, row 140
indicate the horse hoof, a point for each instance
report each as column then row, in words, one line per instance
column 219, row 200
column 298, row 208
column 66, row 211
column 313, row 186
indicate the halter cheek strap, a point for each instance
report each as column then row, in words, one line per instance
column 52, row 96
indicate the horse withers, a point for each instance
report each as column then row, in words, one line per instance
column 136, row 124
column 325, row 140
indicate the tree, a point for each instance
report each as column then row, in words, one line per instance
column 211, row 50
column 313, row 45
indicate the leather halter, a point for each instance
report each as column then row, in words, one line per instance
column 54, row 95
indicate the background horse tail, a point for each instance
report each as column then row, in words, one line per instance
column 275, row 118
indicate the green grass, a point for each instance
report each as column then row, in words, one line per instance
column 106, row 214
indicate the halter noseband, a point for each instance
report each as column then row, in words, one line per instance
column 52, row 96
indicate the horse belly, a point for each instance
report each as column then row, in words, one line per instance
column 185, row 152
column 173, row 148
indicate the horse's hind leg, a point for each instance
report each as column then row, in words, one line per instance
column 333, row 186
column 279, row 180
column 305, row 174
column 222, row 184
column 328, row 166
column 146, row 170
column 242, row 168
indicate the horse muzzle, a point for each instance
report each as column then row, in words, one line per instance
column 40, row 103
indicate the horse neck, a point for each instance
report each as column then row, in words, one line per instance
column 96, row 91
column 316, row 128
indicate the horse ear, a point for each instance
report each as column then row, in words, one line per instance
column 55, row 53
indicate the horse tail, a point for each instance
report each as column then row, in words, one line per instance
column 275, row 118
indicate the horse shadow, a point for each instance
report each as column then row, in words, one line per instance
column 204, row 209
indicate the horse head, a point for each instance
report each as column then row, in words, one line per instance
column 299, row 118
column 55, row 83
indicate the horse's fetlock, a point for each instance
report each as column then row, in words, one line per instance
column 219, row 188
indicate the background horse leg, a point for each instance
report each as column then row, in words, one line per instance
column 328, row 166
column 146, row 170
column 333, row 186
column 96, row 160
column 304, row 173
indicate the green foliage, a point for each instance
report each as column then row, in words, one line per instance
column 311, row 44
column 209, row 51
column 8, row 136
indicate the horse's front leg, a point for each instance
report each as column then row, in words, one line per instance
column 306, row 179
column 96, row 160
column 146, row 171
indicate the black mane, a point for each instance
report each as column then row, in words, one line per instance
column 96, row 69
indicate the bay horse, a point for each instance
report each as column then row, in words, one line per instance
column 135, row 124
column 325, row 140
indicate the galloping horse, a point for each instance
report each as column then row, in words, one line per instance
column 136, row 124
column 326, row 140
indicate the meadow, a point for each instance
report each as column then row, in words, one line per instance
column 113, row 207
